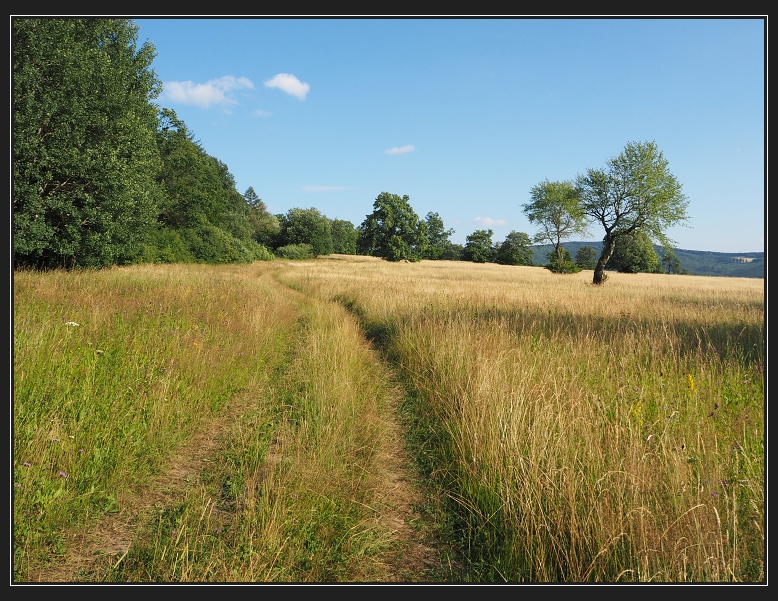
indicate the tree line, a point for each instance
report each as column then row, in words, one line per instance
column 102, row 175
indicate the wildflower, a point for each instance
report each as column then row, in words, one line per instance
column 690, row 380
column 80, row 450
column 71, row 323
column 63, row 475
column 26, row 464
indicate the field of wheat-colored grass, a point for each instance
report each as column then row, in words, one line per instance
column 563, row 432
column 586, row 433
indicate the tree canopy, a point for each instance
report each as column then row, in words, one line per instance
column 516, row 249
column 393, row 230
column 479, row 247
column 634, row 192
column 555, row 208
column 306, row 226
column 344, row 237
column 634, row 253
column 439, row 245
column 84, row 142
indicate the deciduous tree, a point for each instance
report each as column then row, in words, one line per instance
column 479, row 247
column 635, row 191
column 634, row 253
column 586, row 257
column 344, row 237
column 556, row 210
column 438, row 237
column 307, row 226
column 85, row 158
column 516, row 249
column 393, row 230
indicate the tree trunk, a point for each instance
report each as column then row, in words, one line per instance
column 607, row 250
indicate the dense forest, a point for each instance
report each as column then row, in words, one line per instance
column 103, row 175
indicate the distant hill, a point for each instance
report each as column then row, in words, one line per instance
column 695, row 262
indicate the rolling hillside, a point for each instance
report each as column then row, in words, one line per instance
column 695, row 262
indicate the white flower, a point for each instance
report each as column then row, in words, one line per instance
column 71, row 323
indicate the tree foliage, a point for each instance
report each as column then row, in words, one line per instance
column 479, row 247
column 516, row 249
column 634, row 192
column 84, row 143
column 634, row 253
column 393, row 230
column 344, row 237
column 671, row 262
column 438, row 243
column 555, row 208
column 264, row 226
column 586, row 257
column 563, row 265
column 201, row 201
column 306, row 226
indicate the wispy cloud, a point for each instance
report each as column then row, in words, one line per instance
column 262, row 113
column 401, row 149
column 324, row 188
column 288, row 83
column 214, row 92
column 489, row 222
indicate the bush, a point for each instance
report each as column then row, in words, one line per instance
column 164, row 245
column 295, row 251
column 566, row 266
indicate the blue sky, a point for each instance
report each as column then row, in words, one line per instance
column 466, row 115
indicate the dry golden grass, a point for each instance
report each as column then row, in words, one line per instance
column 601, row 433
column 571, row 432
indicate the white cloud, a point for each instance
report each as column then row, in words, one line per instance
column 489, row 222
column 290, row 84
column 324, row 188
column 216, row 91
column 261, row 113
column 401, row 149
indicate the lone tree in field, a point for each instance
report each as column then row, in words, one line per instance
column 635, row 192
column 556, row 210
column 393, row 230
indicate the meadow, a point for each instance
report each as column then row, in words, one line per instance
column 348, row 419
